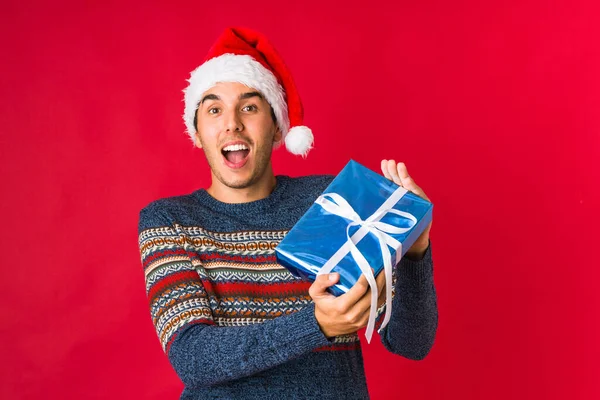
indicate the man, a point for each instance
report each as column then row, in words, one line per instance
column 233, row 322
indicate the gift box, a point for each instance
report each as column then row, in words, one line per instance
column 361, row 221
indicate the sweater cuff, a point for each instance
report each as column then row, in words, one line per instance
column 417, row 270
column 308, row 329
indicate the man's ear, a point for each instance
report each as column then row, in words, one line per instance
column 278, row 135
column 197, row 141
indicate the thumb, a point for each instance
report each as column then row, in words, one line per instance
column 319, row 286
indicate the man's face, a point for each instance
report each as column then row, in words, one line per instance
column 236, row 131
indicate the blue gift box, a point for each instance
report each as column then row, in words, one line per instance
column 321, row 235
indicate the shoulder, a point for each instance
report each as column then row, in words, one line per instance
column 159, row 213
column 310, row 185
column 302, row 191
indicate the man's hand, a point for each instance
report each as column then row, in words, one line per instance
column 399, row 175
column 347, row 313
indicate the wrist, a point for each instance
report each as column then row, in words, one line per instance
column 417, row 250
column 319, row 317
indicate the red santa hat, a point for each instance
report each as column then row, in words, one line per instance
column 244, row 56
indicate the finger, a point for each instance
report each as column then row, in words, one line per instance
column 319, row 287
column 416, row 189
column 402, row 171
column 365, row 300
column 356, row 292
column 363, row 305
column 364, row 320
column 393, row 171
column 381, row 285
column 381, row 281
column 381, row 299
column 384, row 169
column 408, row 182
column 406, row 179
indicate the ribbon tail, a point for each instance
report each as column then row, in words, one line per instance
column 388, row 267
column 364, row 266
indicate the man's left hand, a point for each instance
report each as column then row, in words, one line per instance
column 399, row 175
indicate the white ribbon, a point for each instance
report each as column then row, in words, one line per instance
column 339, row 206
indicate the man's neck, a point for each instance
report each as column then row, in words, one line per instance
column 258, row 191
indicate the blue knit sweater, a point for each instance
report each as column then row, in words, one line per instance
column 235, row 324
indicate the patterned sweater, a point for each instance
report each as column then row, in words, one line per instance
column 235, row 324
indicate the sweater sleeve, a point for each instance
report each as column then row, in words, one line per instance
column 201, row 352
column 411, row 329
column 206, row 355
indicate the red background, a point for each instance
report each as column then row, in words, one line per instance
column 494, row 108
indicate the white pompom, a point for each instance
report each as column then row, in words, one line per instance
column 299, row 140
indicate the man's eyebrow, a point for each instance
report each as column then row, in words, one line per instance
column 248, row 95
column 210, row 97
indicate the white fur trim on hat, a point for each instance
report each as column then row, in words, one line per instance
column 234, row 68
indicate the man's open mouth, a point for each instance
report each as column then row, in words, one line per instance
column 235, row 154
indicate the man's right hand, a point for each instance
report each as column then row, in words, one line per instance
column 347, row 313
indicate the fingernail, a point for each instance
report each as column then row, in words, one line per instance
column 333, row 276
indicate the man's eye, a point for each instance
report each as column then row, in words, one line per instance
column 250, row 107
column 213, row 110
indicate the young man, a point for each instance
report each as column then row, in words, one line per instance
column 233, row 322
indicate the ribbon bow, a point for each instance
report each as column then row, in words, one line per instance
column 339, row 206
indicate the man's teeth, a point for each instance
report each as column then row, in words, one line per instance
column 236, row 147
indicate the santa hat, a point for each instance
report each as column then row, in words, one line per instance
column 244, row 56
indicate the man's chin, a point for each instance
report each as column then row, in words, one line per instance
column 237, row 182
column 242, row 178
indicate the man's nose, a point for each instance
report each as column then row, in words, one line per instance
column 233, row 122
